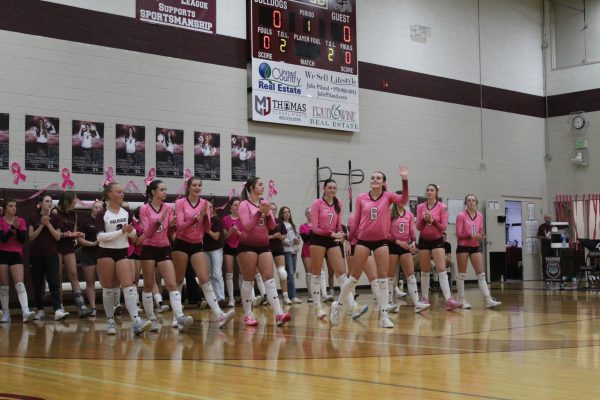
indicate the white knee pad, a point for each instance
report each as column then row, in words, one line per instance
column 282, row 273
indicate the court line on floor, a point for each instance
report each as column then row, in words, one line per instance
column 353, row 380
column 104, row 381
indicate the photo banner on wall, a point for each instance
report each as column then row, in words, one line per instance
column 243, row 158
column 88, row 147
column 4, row 141
column 207, row 155
column 131, row 149
column 195, row 15
column 41, row 143
column 169, row 152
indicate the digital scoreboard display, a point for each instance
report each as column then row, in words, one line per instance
column 304, row 63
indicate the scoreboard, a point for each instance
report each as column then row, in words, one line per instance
column 304, row 63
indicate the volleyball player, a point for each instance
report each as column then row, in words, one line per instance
column 114, row 227
column 13, row 233
column 305, row 233
column 254, row 252
column 276, row 237
column 156, row 219
column 469, row 232
column 89, row 253
column 233, row 230
column 432, row 220
column 372, row 227
column 193, row 220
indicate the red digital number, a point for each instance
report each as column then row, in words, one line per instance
column 348, row 57
column 277, row 19
column 267, row 42
column 347, row 34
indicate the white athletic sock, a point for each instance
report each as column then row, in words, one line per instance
column 229, row 284
column 147, row 303
column 272, row 296
column 130, row 295
column 158, row 299
column 22, row 293
column 413, row 290
column 460, row 286
column 346, row 289
column 444, row 285
column 260, row 284
column 179, row 288
column 316, row 288
column 425, row 276
column 375, row 289
column 247, row 291
column 485, row 290
column 4, row 299
column 309, row 284
column 117, row 294
column 285, row 295
column 350, row 298
column 323, row 283
column 383, row 294
column 390, row 289
column 211, row 299
column 175, row 299
column 108, row 300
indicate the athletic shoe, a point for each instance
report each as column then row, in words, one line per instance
column 257, row 301
column 203, row 305
column 5, row 318
column 111, row 327
column 250, row 320
column 140, row 326
column 39, row 315
column 184, row 322
column 282, row 319
column 231, row 303
column 28, row 316
column 421, row 306
column 328, row 298
column 155, row 325
column 287, row 301
column 93, row 313
column 224, row 318
column 319, row 313
column 385, row 322
column 84, row 312
column 296, row 300
column 163, row 308
column 491, row 303
column 452, row 304
column 174, row 322
column 358, row 310
column 118, row 308
column 425, row 300
column 222, row 303
column 334, row 316
column 465, row 305
column 393, row 308
column 60, row 314
column 309, row 300
column 399, row 293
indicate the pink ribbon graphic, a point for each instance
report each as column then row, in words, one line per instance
column 131, row 185
column 272, row 189
column 18, row 175
column 150, row 177
column 67, row 182
column 187, row 174
column 109, row 174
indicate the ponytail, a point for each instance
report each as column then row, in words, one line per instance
column 152, row 186
column 248, row 186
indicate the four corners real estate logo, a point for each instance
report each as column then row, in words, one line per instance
column 262, row 105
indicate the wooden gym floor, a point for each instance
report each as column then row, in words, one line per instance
column 538, row 345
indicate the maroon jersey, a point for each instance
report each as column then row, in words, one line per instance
column 44, row 244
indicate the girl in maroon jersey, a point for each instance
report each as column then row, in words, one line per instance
column 305, row 234
column 89, row 253
column 469, row 232
column 432, row 221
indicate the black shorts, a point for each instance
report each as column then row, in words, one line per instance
column 10, row 258
column 230, row 251
column 339, row 247
column 158, row 254
column 186, row 247
column 88, row 258
column 277, row 252
column 431, row 244
column 258, row 250
column 468, row 249
column 396, row 249
column 115, row 254
column 373, row 245
column 323, row 241
column 134, row 256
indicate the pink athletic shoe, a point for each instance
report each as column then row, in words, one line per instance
column 451, row 304
column 250, row 320
column 424, row 300
column 282, row 319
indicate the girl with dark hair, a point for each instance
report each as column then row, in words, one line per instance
column 371, row 229
column 432, row 221
column 13, row 233
column 254, row 252
column 290, row 250
column 276, row 238
column 65, row 210
column 193, row 220
column 469, row 232
column 89, row 253
column 232, row 233
column 156, row 219
column 44, row 233
column 305, row 234
column 114, row 228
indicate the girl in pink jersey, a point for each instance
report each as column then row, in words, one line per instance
column 469, row 232
column 327, row 234
column 157, row 218
column 233, row 231
column 371, row 229
column 254, row 252
column 402, row 246
column 432, row 220
column 193, row 220
column 13, row 233
column 370, row 269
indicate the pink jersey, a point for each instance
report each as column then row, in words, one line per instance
column 435, row 230
column 373, row 216
column 12, row 244
column 233, row 240
column 403, row 228
column 155, row 224
column 255, row 227
column 467, row 227
column 187, row 229
column 324, row 219
column 305, row 232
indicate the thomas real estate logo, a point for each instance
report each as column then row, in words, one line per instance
column 286, row 110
